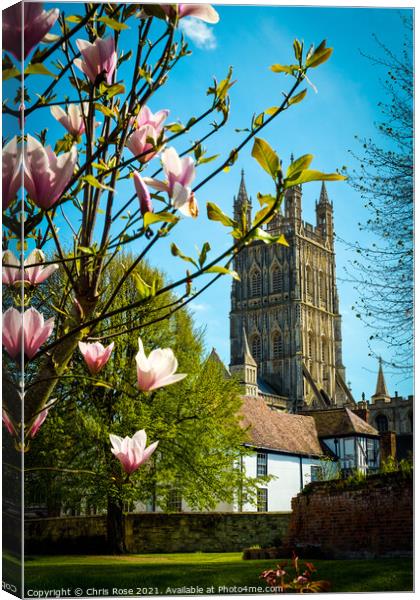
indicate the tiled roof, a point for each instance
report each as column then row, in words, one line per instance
column 278, row 430
column 340, row 421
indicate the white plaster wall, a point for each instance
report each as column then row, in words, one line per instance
column 286, row 481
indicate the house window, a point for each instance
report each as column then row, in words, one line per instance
column 277, row 345
column 261, row 464
column 256, row 283
column 174, row 503
column 316, row 473
column 381, row 423
column 256, row 347
column 262, row 500
column 370, row 452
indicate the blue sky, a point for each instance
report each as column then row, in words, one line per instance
column 251, row 38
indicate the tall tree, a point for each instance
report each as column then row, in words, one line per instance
column 196, row 422
column 383, row 272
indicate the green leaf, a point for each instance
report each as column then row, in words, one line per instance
column 105, row 110
column 320, row 55
column 143, row 288
column 272, row 110
column 297, row 47
column 298, row 97
column 288, row 69
column 175, row 127
column 9, row 73
column 111, row 90
column 260, row 216
column 265, row 199
column 206, row 159
column 214, row 213
column 91, row 180
column 149, row 218
column 74, row 19
column 175, row 251
column 203, row 254
column 311, row 175
column 113, row 23
column 303, row 162
column 86, row 250
column 267, row 238
column 38, row 69
column 223, row 271
column 266, row 157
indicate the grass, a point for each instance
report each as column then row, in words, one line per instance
column 161, row 574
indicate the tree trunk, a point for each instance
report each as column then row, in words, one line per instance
column 115, row 526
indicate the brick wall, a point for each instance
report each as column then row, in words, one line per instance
column 374, row 520
column 158, row 532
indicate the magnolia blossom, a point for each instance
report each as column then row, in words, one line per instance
column 8, row 423
column 31, row 326
column 45, row 174
column 98, row 59
column 180, row 173
column 33, row 274
column 149, row 127
column 156, row 370
column 36, row 24
column 73, row 119
column 205, row 12
column 39, row 419
column 132, row 452
column 143, row 194
column 11, row 173
column 95, row 355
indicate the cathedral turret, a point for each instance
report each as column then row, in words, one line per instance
column 242, row 202
column 293, row 204
column 381, row 392
column 247, row 369
column 324, row 215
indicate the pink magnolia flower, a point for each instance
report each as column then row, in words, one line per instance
column 36, row 24
column 143, row 194
column 149, row 127
column 11, row 274
column 142, row 140
column 39, row 419
column 98, row 59
column 37, row 274
column 156, row 120
column 72, row 120
column 31, row 326
column 11, row 173
column 46, row 174
column 8, row 423
column 179, row 172
column 34, row 275
column 205, row 12
column 156, row 370
column 132, row 452
column 95, row 355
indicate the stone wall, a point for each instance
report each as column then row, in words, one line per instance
column 158, row 532
column 371, row 519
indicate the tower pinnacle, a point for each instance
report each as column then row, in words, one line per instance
column 381, row 392
column 323, row 196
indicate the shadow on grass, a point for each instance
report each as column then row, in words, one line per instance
column 217, row 571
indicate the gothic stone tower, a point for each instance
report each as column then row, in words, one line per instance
column 286, row 305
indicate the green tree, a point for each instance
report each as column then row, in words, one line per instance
column 196, row 421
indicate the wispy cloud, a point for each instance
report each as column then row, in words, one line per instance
column 199, row 33
column 197, row 307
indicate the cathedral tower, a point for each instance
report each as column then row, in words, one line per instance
column 287, row 302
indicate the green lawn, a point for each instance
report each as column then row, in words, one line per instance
column 161, row 572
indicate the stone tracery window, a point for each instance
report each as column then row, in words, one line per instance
column 256, row 283
column 381, row 423
column 277, row 343
column 256, row 347
column 308, row 282
column 277, row 279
